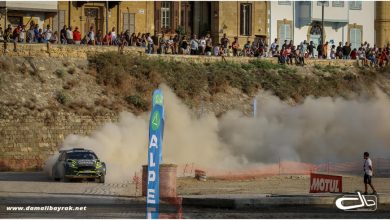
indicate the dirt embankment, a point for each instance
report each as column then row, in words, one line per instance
column 110, row 82
column 42, row 100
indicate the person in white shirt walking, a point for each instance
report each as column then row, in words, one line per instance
column 367, row 167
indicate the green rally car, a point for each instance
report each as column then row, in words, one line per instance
column 78, row 163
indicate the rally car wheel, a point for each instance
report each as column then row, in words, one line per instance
column 53, row 173
column 101, row 179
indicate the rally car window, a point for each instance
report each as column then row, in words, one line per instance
column 81, row 155
column 62, row 157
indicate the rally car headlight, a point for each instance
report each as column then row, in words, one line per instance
column 72, row 164
column 99, row 165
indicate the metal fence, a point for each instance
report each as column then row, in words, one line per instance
column 381, row 168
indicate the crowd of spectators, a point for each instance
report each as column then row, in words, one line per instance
column 365, row 54
column 286, row 53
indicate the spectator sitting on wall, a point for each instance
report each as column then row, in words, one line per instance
column 325, row 50
column 273, row 47
column 311, row 49
column 41, row 37
column 64, row 39
column 69, row 35
column 15, row 33
column 184, row 46
column 289, row 55
column 362, row 56
column 47, row 33
column 320, row 51
column 150, row 43
column 1, row 34
column 170, row 45
column 107, row 40
column 339, row 51
column 222, row 51
column 229, row 51
column 155, row 41
column 143, row 41
column 303, row 48
column 297, row 54
column 54, row 38
column 247, row 49
column 216, row 50
column 99, row 37
column 383, row 58
column 36, row 34
column 30, row 34
column 113, row 36
column 354, row 54
column 91, row 36
column 282, row 56
column 138, row 40
column 235, row 46
column 371, row 57
column 163, row 44
column 284, row 46
column 346, row 50
column 333, row 52
column 194, row 44
column 22, row 34
column 209, row 44
column 202, row 45
column 76, row 36
column 7, row 33
column 224, row 41
column 176, row 42
column 302, row 53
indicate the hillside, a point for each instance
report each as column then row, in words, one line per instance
column 44, row 99
column 110, row 82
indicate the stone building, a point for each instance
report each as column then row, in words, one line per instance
column 244, row 19
column 382, row 23
column 27, row 12
column 136, row 16
column 344, row 21
column 351, row 21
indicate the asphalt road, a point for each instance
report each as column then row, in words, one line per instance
column 117, row 207
column 120, row 200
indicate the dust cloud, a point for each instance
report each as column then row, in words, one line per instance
column 317, row 130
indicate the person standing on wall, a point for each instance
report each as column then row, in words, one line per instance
column 367, row 167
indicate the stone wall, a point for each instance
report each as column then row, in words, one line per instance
column 58, row 50
column 27, row 141
column 209, row 59
column 82, row 51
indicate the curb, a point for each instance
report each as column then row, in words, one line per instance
column 266, row 201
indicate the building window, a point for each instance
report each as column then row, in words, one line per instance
column 166, row 15
column 355, row 5
column 326, row 3
column 129, row 22
column 338, row 4
column 284, row 2
column 246, row 19
column 284, row 31
column 355, row 37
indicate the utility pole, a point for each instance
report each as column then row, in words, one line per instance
column 5, row 17
column 107, row 16
column 322, row 21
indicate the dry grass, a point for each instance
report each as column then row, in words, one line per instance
column 137, row 76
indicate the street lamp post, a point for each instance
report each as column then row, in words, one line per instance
column 322, row 21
